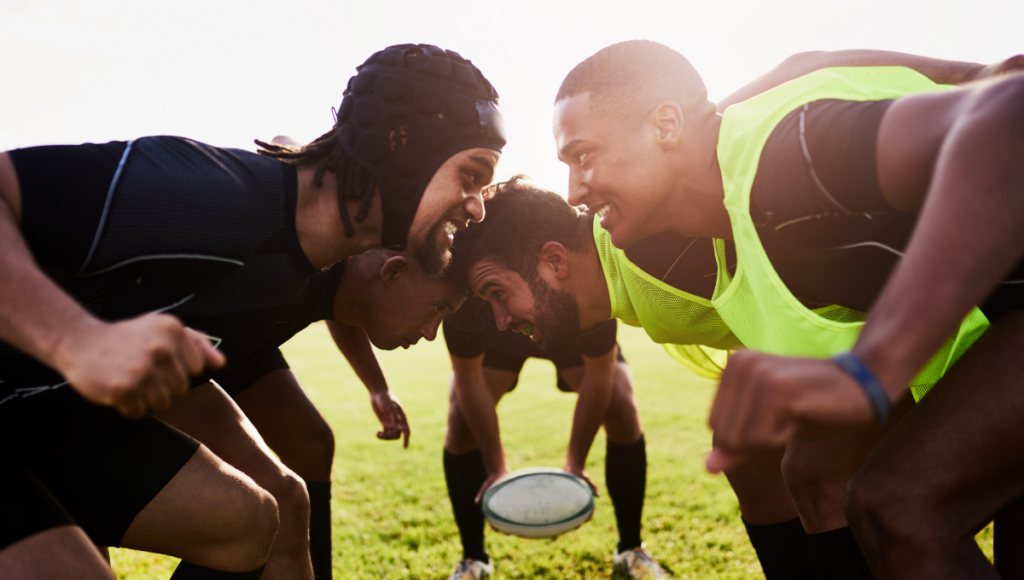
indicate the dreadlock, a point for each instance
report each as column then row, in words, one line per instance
column 326, row 152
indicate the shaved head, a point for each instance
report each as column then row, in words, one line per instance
column 629, row 79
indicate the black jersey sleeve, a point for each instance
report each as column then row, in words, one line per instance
column 64, row 189
column 463, row 329
column 598, row 339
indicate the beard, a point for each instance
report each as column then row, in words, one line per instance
column 432, row 256
column 558, row 317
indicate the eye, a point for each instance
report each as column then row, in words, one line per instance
column 582, row 157
column 472, row 177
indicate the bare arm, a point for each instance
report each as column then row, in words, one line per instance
column 131, row 365
column 956, row 158
column 971, row 228
column 946, row 72
column 591, row 408
column 480, row 413
column 355, row 345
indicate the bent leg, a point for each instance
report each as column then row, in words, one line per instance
column 209, row 514
column 948, row 468
column 64, row 552
column 293, row 427
column 464, row 468
column 209, row 415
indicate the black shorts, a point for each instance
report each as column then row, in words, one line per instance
column 505, row 361
column 66, row 461
column 242, row 376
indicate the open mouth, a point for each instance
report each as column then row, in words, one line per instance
column 452, row 227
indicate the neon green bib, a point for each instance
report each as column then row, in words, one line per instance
column 755, row 303
column 686, row 324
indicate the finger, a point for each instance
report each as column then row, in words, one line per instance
column 129, row 404
column 165, row 378
column 212, row 357
column 593, row 487
column 191, row 351
column 480, row 494
column 721, row 460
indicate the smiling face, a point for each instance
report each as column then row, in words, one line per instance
column 617, row 167
column 451, row 200
column 549, row 316
column 409, row 307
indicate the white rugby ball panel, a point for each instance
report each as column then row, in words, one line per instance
column 538, row 503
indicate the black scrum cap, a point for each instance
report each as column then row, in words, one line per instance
column 444, row 104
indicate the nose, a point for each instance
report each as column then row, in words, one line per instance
column 502, row 318
column 578, row 189
column 429, row 330
column 474, row 206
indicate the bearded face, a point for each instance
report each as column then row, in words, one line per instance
column 557, row 317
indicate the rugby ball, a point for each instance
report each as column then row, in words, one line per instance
column 538, row 502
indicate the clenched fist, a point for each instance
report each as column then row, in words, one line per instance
column 135, row 365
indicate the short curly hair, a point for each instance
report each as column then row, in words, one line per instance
column 520, row 218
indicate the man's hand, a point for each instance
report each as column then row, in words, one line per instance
column 135, row 365
column 491, row 480
column 581, row 473
column 392, row 417
column 763, row 400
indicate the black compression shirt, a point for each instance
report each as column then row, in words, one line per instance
column 162, row 224
column 315, row 303
column 821, row 216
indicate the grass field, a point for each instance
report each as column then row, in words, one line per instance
column 392, row 518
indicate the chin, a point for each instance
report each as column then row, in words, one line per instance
column 622, row 237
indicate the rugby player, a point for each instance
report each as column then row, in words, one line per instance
column 111, row 253
column 825, row 183
column 486, row 363
column 381, row 297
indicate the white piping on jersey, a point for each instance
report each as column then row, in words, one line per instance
column 176, row 304
column 106, row 207
column 810, row 165
column 166, row 257
column 876, row 244
column 679, row 257
column 25, row 392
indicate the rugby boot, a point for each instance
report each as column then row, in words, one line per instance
column 639, row 564
column 470, row 569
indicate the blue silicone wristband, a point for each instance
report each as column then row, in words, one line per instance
column 867, row 380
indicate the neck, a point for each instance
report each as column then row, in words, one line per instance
column 351, row 303
column 589, row 287
column 696, row 207
column 321, row 233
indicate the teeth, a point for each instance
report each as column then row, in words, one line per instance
column 603, row 210
column 450, row 228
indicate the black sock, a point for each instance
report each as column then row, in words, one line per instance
column 465, row 474
column 838, row 556
column 784, row 551
column 187, row 571
column 625, row 474
column 320, row 528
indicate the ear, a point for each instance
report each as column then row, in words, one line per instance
column 555, row 259
column 667, row 120
column 392, row 269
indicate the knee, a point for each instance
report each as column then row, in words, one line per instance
column 259, row 522
column 887, row 515
column 816, row 487
column 459, row 440
column 292, row 498
column 323, row 445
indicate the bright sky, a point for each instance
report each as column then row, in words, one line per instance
column 226, row 72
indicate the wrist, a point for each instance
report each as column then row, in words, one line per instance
column 887, row 361
column 62, row 352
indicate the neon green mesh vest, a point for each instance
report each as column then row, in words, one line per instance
column 755, row 303
column 686, row 324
